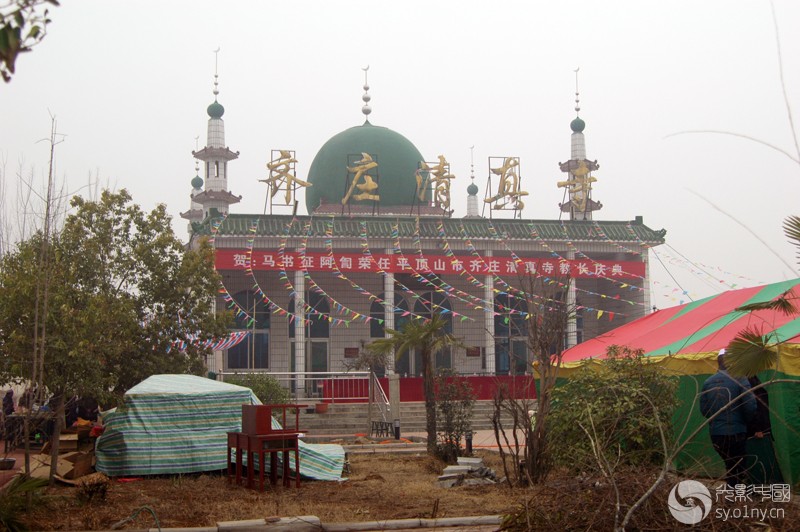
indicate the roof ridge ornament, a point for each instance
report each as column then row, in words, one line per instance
column 366, row 109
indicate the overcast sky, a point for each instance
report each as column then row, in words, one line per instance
column 129, row 83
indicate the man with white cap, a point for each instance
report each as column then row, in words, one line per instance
column 728, row 399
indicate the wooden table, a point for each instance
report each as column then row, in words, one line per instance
column 238, row 443
column 278, row 442
column 257, row 446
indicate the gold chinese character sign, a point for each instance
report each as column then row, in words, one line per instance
column 438, row 176
column 509, row 193
column 368, row 188
column 282, row 175
column 579, row 184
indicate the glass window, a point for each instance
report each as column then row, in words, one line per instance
column 428, row 304
column 377, row 311
column 317, row 325
column 250, row 353
column 506, row 322
column 253, row 351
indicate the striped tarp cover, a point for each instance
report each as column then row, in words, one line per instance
column 171, row 424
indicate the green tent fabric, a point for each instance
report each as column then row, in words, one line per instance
column 171, row 424
column 686, row 339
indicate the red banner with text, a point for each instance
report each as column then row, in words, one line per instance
column 233, row 259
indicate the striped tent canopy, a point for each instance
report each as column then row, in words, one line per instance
column 692, row 334
column 686, row 339
column 170, row 424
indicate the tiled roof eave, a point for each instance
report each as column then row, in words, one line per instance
column 454, row 228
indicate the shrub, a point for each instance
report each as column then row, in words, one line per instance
column 15, row 499
column 454, row 401
column 620, row 408
column 267, row 388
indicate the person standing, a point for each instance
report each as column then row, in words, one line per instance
column 763, row 465
column 725, row 401
column 8, row 403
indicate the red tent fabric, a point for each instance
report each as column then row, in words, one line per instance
column 702, row 326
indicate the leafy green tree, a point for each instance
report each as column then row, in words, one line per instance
column 266, row 387
column 123, row 290
column 615, row 414
column 455, row 400
column 427, row 337
column 22, row 25
column 15, row 499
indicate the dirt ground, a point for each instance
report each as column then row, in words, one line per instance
column 378, row 487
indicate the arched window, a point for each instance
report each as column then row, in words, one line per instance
column 428, row 304
column 317, row 323
column 317, row 330
column 510, row 335
column 253, row 351
column 377, row 311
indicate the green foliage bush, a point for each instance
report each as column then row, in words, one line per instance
column 454, row 401
column 267, row 388
column 624, row 405
column 16, row 498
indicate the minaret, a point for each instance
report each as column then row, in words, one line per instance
column 215, row 156
column 472, row 189
column 195, row 212
column 579, row 169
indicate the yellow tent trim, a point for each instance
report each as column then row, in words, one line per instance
column 688, row 364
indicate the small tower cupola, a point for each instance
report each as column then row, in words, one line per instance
column 216, row 198
column 578, row 186
column 195, row 212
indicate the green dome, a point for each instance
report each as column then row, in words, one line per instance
column 472, row 189
column 397, row 160
column 577, row 125
column 215, row 110
column 197, row 182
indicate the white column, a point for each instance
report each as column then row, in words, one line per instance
column 214, row 361
column 299, row 330
column 646, row 284
column 488, row 321
column 572, row 322
column 388, row 305
column 472, row 206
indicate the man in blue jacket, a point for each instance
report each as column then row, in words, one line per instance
column 721, row 396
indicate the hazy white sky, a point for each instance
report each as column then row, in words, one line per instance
column 129, row 83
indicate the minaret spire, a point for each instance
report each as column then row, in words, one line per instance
column 216, row 72
column 197, row 161
column 578, row 185
column 216, row 198
column 472, row 189
column 366, row 109
column 195, row 212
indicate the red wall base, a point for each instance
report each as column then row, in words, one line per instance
column 484, row 387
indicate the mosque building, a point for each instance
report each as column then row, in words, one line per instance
column 379, row 246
